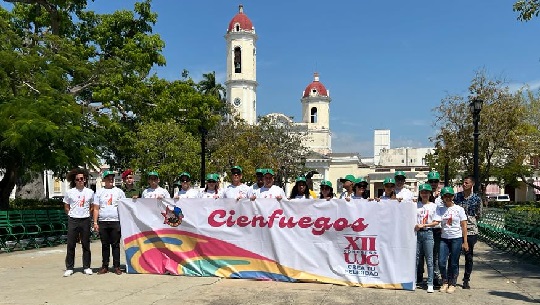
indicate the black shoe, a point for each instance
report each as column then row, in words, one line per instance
column 466, row 285
column 437, row 282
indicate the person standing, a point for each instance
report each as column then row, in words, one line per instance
column 259, row 181
column 300, row 189
column 402, row 192
column 472, row 204
column 360, row 189
column 107, row 222
column 426, row 219
column 453, row 239
column 185, row 190
column 268, row 190
column 78, row 207
column 389, row 185
column 327, row 191
column 434, row 179
column 236, row 189
column 154, row 190
column 212, row 189
column 348, row 183
column 129, row 187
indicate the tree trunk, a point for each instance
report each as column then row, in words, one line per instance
column 32, row 189
column 6, row 186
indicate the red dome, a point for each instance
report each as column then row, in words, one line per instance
column 316, row 88
column 242, row 20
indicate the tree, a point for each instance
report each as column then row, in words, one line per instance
column 527, row 9
column 67, row 77
column 506, row 135
column 264, row 145
column 209, row 86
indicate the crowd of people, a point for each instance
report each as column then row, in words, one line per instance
column 446, row 223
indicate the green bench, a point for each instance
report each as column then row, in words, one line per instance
column 513, row 230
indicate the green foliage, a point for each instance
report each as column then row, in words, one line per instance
column 527, row 9
column 507, row 135
column 265, row 145
column 35, row 204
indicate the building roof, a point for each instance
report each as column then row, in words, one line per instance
column 316, row 88
column 242, row 20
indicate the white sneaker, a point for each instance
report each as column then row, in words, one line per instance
column 430, row 288
column 88, row 271
column 68, row 273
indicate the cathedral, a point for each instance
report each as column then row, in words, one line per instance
column 241, row 86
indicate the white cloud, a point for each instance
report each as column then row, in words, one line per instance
column 345, row 142
column 532, row 85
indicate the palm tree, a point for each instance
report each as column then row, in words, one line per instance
column 208, row 86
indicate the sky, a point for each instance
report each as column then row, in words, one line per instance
column 387, row 64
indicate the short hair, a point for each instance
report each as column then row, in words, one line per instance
column 470, row 177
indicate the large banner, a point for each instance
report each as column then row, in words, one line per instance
column 356, row 243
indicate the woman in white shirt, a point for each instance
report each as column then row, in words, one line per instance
column 212, row 189
column 453, row 239
column 426, row 219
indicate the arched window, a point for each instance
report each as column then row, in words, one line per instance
column 237, row 27
column 314, row 115
column 237, row 60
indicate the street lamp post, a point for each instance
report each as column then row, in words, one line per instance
column 475, row 107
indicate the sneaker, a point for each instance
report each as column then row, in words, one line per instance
column 68, row 272
column 430, row 288
column 466, row 285
column 444, row 287
column 103, row 270
column 117, row 271
column 451, row 289
column 88, row 271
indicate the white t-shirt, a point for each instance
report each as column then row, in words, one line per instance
column 158, row 192
column 211, row 194
column 79, row 202
column 404, row 193
column 236, row 192
column 451, row 219
column 107, row 200
column 189, row 193
column 265, row 192
column 345, row 194
column 439, row 203
column 426, row 213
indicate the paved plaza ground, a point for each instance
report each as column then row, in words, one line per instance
column 35, row 277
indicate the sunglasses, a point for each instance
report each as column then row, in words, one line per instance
column 236, row 173
column 184, row 180
column 325, row 187
column 79, row 179
column 433, row 181
column 210, row 181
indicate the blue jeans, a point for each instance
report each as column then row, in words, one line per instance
column 424, row 247
column 449, row 253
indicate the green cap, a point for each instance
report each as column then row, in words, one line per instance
column 388, row 180
column 153, row 173
column 348, row 178
column 185, row 174
column 400, row 173
column 268, row 171
column 327, row 183
column 300, row 179
column 433, row 176
column 361, row 180
column 107, row 173
column 260, row 171
column 447, row 190
column 212, row 177
column 425, row 187
column 237, row 167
